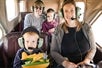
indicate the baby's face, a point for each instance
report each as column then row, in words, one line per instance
column 30, row 40
column 50, row 16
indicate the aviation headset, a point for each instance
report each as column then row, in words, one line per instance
column 30, row 29
column 67, row 2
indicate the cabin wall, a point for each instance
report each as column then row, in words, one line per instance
column 2, row 14
column 8, row 25
column 48, row 4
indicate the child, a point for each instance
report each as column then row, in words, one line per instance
column 49, row 25
column 37, row 17
column 30, row 40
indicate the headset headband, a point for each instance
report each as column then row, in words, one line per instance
column 30, row 29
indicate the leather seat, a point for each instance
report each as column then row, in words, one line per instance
column 19, row 27
column 9, row 49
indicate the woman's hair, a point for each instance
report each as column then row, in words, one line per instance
column 68, row 2
column 50, row 10
column 39, row 3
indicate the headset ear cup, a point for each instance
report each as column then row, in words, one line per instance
column 33, row 8
column 43, row 9
column 21, row 42
column 40, row 42
column 62, row 12
column 76, row 12
column 54, row 16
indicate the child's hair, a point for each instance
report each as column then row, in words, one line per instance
column 50, row 10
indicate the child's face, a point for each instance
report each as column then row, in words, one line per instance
column 30, row 40
column 50, row 16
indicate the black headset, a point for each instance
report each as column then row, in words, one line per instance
column 30, row 29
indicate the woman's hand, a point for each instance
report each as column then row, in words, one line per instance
column 86, row 61
column 68, row 64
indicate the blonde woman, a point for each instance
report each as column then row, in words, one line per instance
column 72, row 43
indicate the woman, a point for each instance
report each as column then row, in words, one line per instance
column 72, row 43
column 37, row 17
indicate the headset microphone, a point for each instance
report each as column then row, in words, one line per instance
column 31, row 48
column 73, row 18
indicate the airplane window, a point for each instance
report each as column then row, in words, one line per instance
column 97, row 30
column 80, row 10
column 11, row 9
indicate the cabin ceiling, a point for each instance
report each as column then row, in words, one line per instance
column 92, row 8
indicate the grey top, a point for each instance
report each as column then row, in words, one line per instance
column 31, row 20
column 57, row 39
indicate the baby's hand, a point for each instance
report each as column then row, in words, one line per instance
column 51, row 30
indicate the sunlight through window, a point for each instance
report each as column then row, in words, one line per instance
column 97, row 30
column 11, row 9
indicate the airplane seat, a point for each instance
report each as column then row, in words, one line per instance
column 9, row 49
column 98, row 56
column 45, row 44
column 19, row 27
column 1, row 56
